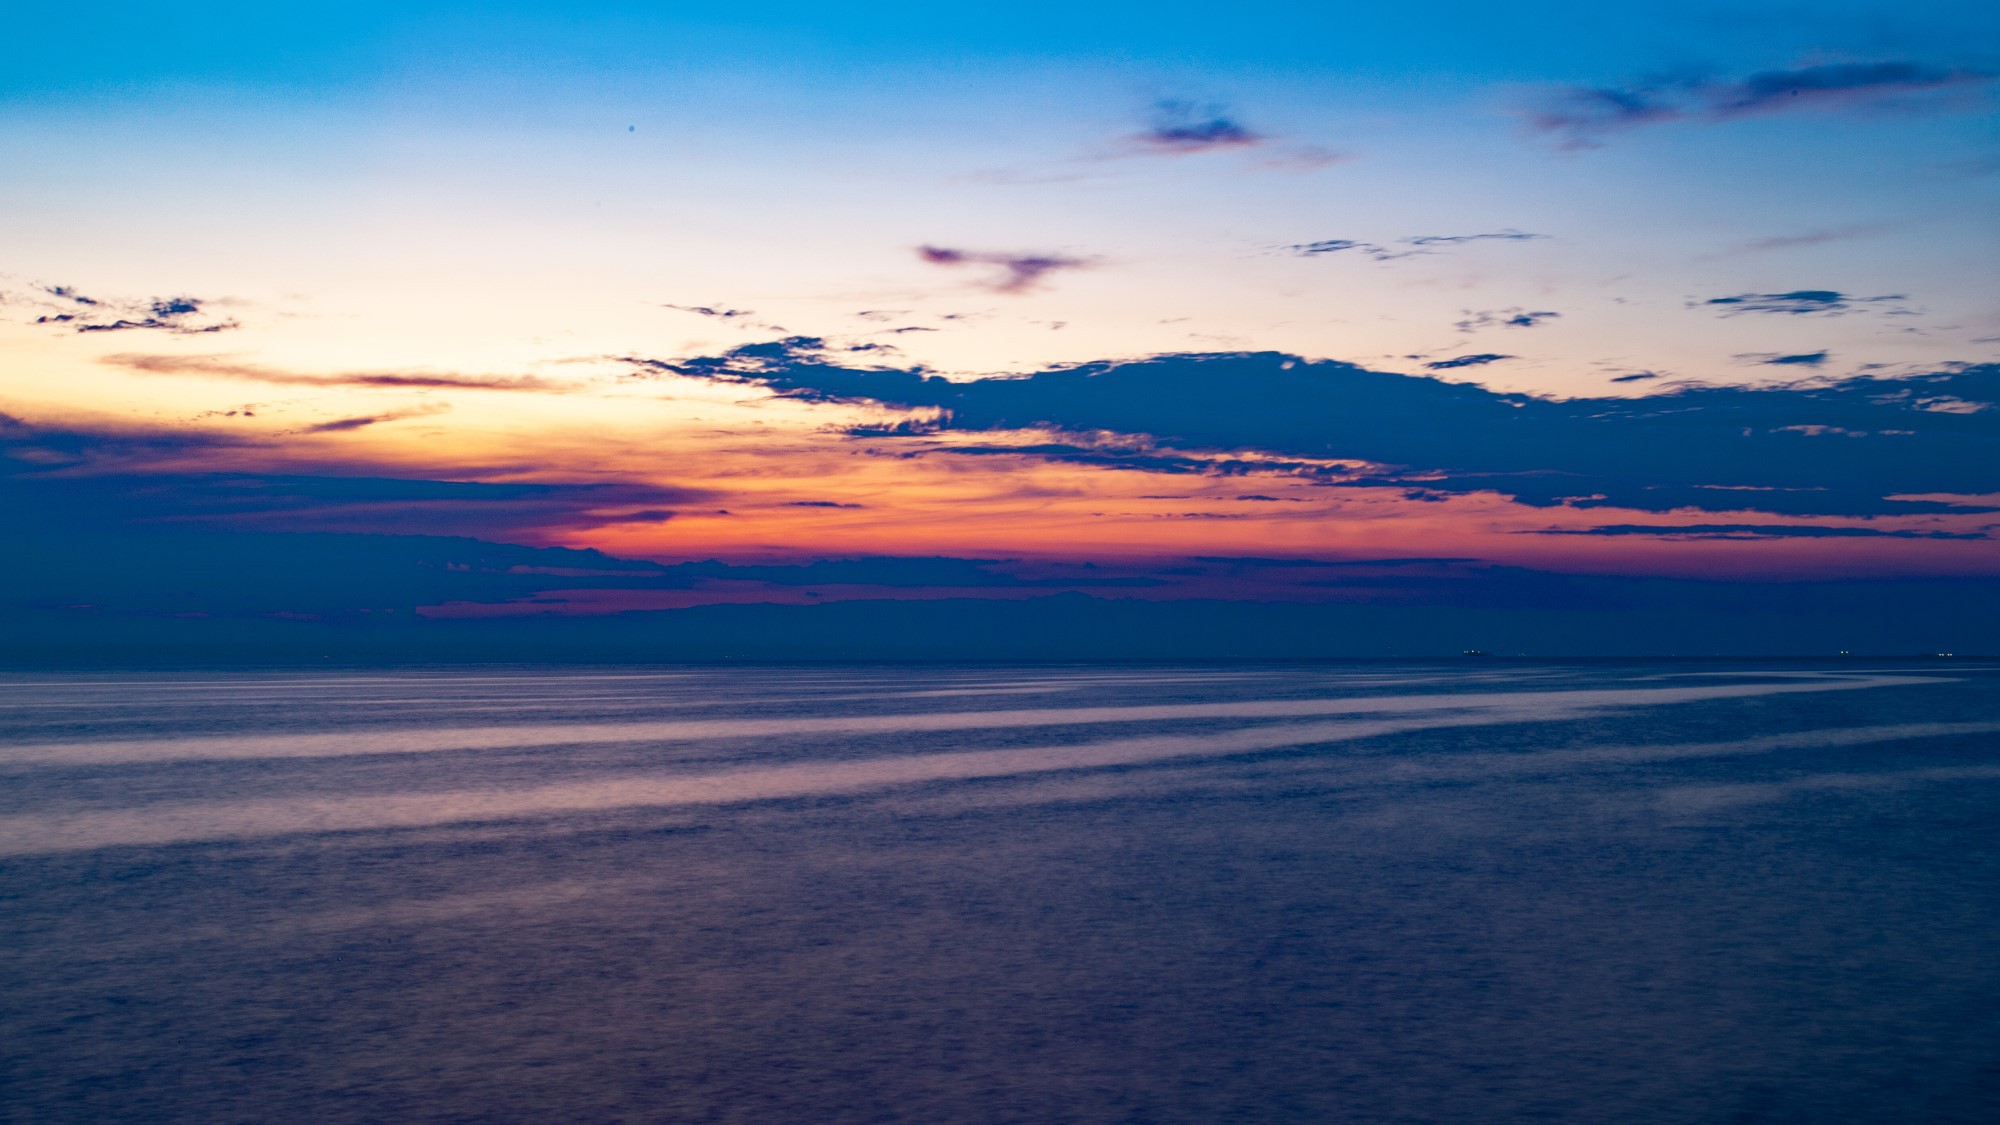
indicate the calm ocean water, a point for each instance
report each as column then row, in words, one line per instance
column 1480, row 892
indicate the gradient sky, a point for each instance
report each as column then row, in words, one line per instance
column 1709, row 288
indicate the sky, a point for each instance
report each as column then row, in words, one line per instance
column 312, row 313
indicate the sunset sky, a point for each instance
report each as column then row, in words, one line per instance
column 802, row 303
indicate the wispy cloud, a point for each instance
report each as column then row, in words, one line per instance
column 1837, row 85
column 1455, row 239
column 1798, row 302
column 1175, row 128
column 715, row 311
column 1016, row 273
column 1583, row 117
column 223, row 367
column 1775, row 359
column 1418, row 245
column 1504, row 318
column 1480, row 360
column 344, row 425
column 1804, row 238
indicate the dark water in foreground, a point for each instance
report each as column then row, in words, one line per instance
column 1414, row 893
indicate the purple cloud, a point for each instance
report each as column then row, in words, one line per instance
column 1018, row 272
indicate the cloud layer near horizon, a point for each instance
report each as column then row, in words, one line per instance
column 1860, row 447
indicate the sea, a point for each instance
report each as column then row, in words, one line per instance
column 1471, row 891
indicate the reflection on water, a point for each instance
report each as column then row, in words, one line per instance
column 1492, row 892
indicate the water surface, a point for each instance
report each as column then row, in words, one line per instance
column 1496, row 892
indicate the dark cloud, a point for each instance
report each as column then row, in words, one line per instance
column 133, row 563
column 1635, row 377
column 1712, row 448
column 221, row 367
column 1798, row 302
column 1018, row 273
column 1581, row 117
column 1504, row 318
column 820, row 504
column 1757, row 531
column 1430, row 613
column 137, row 479
column 1479, row 360
column 1180, row 128
column 1254, row 562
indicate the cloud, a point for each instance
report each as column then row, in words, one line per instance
column 1798, row 302
column 222, row 367
column 1479, row 360
column 1635, row 377
column 1419, row 245
column 1334, row 246
column 820, row 504
column 1454, row 239
column 1708, row 448
column 1773, row 359
column 68, row 294
column 1757, row 531
column 181, row 316
column 141, row 478
column 1835, row 85
column 1580, row 116
column 1182, row 128
column 134, row 557
column 1806, row 238
column 711, row 311
column 343, row 425
column 1504, row 318
column 1174, row 129
column 1018, row 273
column 1583, row 117
column 1304, row 158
